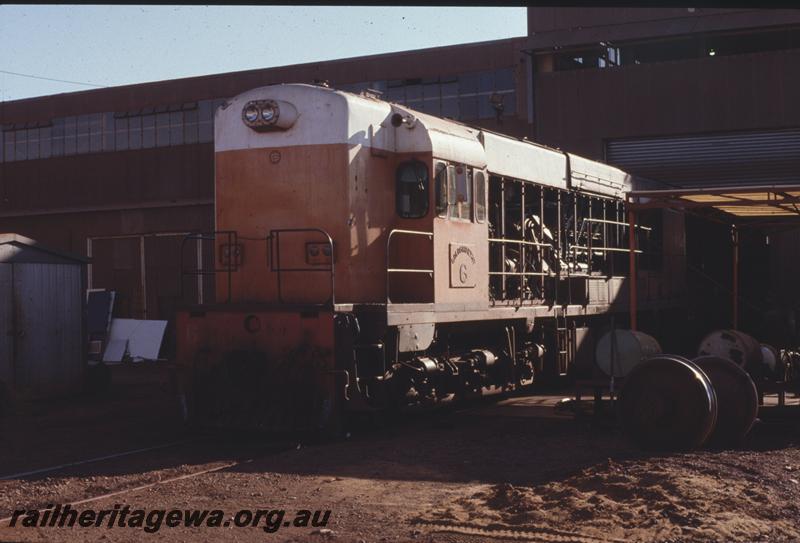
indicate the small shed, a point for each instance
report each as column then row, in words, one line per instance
column 42, row 340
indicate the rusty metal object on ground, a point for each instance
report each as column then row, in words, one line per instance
column 622, row 350
column 667, row 402
column 737, row 399
column 737, row 346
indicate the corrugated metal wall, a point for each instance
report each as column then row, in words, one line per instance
column 743, row 158
column 41, row 312
column 49, row 315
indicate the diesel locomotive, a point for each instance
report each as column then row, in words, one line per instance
column 368, row 257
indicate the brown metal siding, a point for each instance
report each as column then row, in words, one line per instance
column 576, row 18
column 162, row 174
column 579, row 110
column 566, row 27
column 433, row 62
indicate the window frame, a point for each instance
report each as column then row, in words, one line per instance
column 441, row 188
column 427, row 189
column 452, row 203
column 483, row 203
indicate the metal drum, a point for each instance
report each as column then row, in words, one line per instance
column 737, row 399
column 667, row 402
column 630, row 349
column 774, row 365
column 744, row 350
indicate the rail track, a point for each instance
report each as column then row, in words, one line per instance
column 66, row 465
column 532, row 534
column 260, row 452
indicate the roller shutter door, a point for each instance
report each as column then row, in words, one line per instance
column 741, row 158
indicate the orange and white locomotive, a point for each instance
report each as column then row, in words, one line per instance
column 369, row 256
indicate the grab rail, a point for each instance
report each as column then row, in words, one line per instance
column 390, row 270
column 274, row 249
column 231, row 263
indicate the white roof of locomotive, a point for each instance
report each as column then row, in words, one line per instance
column 328, row 116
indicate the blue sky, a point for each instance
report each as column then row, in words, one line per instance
column 118, row 45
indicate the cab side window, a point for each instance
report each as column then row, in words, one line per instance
column 411, row 190
column 460, row 196
column 480, row 196
column 441, row 189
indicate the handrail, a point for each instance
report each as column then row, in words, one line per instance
column 522, row 242
column 584, row 249
column 525, row 274
column 618, row 223
column 390, row 270
column 275, row 263
column 232, row 263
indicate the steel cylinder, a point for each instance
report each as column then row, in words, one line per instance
column 668, row 403
column 619, row 351
column 737, row 346
column 737, row 399
column 774, row 365
column 769, row 356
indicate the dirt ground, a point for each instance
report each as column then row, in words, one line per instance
column 516, row 470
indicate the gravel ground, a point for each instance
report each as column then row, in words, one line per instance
column 515, row 470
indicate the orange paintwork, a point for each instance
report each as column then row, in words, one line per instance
column 206, row 336
column 348, row 193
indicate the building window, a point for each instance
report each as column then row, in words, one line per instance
column 176, row 128
column 21, row 147
column 82, row 135
column 606, row 55
column 109, row 131
column 121, row 140
column 70, row 128
column 135, row 133
column 148, row 131
column 177, row 124
column 412, row 190
column 190, row 126
column 464, row 97
column 57, row 143
column 95, row 133
column 33, row 143
column 205, row 128
column 9, row 140
column 162, row 129
column 45, row 142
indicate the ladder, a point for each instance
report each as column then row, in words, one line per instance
column 562, row 340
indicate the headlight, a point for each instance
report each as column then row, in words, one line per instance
column 268, row 113
column 250, row 113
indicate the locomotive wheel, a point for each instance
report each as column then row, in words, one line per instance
column 737, row 399
column 667, row 402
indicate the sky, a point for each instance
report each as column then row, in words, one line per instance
column 119, row 45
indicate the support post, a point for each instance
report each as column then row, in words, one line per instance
column 735, row 289
column 632, row 264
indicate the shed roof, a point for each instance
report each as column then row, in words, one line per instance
column 765, row 201
column 15, row 248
